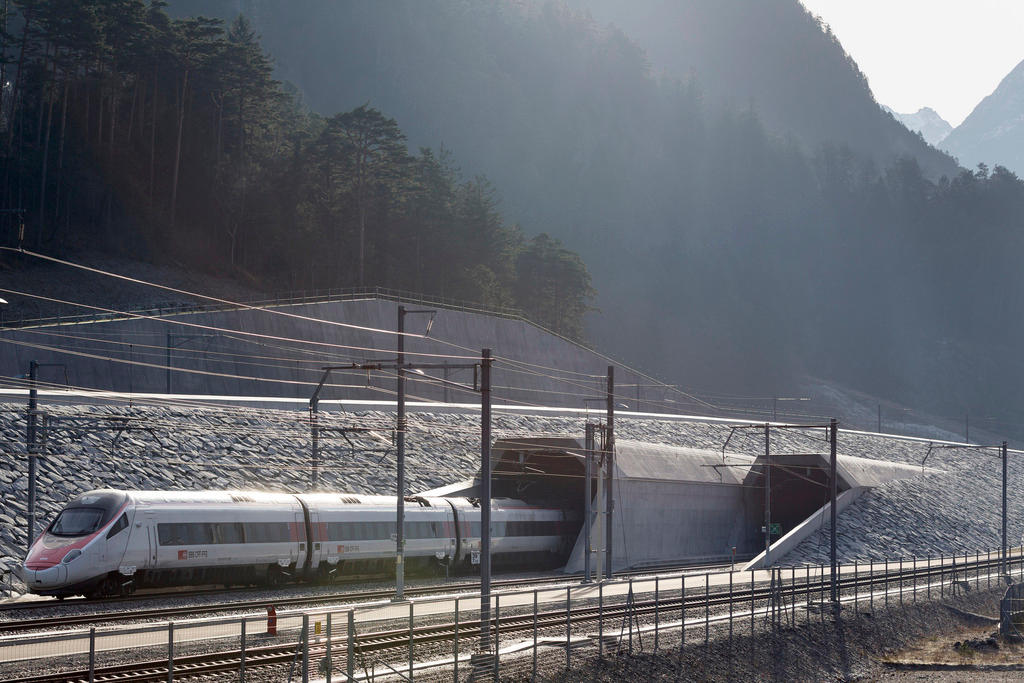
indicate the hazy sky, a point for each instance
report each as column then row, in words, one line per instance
column 943, row 54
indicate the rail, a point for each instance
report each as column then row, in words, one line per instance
column 543, row 626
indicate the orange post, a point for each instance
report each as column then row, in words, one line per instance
column 271, row 620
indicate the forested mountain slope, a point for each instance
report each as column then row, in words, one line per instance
column 122, row 129
column 731, row 252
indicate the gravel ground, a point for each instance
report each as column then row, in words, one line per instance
column 852, row 649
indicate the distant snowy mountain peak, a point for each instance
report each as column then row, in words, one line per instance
column 926, row 121
column 994, row 132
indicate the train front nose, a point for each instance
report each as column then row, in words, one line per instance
column 49, row 563
column 41, row 578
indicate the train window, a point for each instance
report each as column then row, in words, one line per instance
column 120, row 525
column 77, row 522
column 230, row 533
column 203, row 533
column 171, row 534
column 474, row 529
column 200, row 534
column 266, row 532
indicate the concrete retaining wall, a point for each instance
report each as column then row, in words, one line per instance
column 215, row 353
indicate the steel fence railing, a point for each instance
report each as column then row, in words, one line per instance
column 530, row 633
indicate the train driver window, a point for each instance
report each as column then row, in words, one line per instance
column 120, row 525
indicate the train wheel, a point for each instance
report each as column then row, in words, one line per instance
column 107, row 588
column 275, row 577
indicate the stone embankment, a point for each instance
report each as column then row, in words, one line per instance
column 176, row 447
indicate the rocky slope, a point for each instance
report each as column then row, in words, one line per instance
column 225, row 448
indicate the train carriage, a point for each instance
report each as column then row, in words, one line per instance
column 355, row 534
column 109, row 542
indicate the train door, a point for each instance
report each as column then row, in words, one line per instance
column 298, row 552
column 316, row 536
column 152, row 540
column 138, row 550
column 452, row 534
column 458, row 531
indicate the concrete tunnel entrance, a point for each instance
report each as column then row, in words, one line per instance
column 677, row 504
column 686, row 504
column 799, row 487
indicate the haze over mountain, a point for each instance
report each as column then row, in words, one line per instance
column 994, row 132
column 747, row 214
column 926, row 121
column 775, row 57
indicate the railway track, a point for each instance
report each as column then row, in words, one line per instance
column 64, row 621
column 368, row 643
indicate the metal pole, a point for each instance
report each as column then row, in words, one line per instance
column 497, row 637
column 609, row 445
column 314, row 429
column 350, row 654
column 168, row 362
column 330, row 661
column 568, row 628
column 485, row 500
column 400, row 449
column 1003, row 563
column 92, row 654
column 707, row 611
column 752, row 604
column 730, row 609
column 31, row 447
column 833, row 486
column 767, row 495
column 657, row 601
column 241, row 666
column 455, row 658
column 807, row 592
column 589, row 458
column 305, row 648
column 682, row 613
column 533, row 677
column 411, row 623
column 170, row 652
column 856, row 588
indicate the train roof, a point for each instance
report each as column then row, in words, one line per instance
column 227, row 497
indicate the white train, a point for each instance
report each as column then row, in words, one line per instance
column 107, row 542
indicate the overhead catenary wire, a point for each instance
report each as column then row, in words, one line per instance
column 243, row 306
column 214, row 328
column 324, row 356
column 226, row 302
